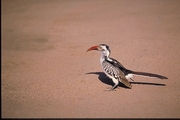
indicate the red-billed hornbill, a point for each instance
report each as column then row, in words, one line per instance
column 115, row 70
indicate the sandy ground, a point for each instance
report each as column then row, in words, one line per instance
column 47, row 73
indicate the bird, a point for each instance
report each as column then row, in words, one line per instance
column 115, row 70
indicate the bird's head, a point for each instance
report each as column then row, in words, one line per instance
column 101, row 47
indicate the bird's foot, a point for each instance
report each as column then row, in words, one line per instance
column 110, row 89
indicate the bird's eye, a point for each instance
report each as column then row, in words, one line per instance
column 101, row 48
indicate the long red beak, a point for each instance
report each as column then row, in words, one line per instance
column 92, row 48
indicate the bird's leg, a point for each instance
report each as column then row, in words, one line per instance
column 113, row 87
column 116, row 84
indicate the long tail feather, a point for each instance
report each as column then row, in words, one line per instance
column 148, row 74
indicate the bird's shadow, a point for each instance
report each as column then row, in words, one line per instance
column 104, row 79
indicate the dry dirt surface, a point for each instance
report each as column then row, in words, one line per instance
column 47, row 73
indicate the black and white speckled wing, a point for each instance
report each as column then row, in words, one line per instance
column 113, row 72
